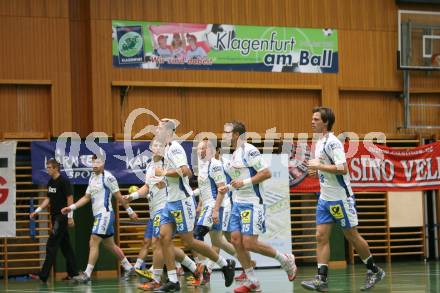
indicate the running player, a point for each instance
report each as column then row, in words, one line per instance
column 248, row 170
column 211, row 176
column 155, row 190
column 179, row 212
column 102, row 185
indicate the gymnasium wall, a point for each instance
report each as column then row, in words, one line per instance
column 60, row 45
column 35, row 54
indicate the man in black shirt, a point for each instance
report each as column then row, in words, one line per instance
column 59, row 195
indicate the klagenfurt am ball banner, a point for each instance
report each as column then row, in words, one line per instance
column 157, row 45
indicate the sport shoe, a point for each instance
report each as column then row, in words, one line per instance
column 38, row 277
column 168, row 287
column 241, row 278
column 373, row 278
column 248, row 286
column 201, row 274
column 228, row 272
column 290, row 267
column 128, row 274
column 147, row 274
column 81, row 279
column 195, row 283
column 316, row 284
column 206, row 278
column 149, row 286
column 203, row 281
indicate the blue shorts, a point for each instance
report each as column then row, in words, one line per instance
column 339, row 211
column 148, row 233
column 248, row 218
column 156, row 223
column 205, row 218
column 182, row 213
column 103, row 224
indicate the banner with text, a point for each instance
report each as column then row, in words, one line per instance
column 125, row 160
column 7, row 189
column 375, row 168
column 156, row 45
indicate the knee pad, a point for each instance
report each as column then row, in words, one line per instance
column 200, row 232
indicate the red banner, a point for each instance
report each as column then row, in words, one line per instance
column 376, row 168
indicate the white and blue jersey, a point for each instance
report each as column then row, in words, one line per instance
column 330, row 151
column 245, row 162
column 101, row 189
column 178, row 187
column 211, row 174
column 248, row 211
column 179, row 209
column 336, row 200
column 157, row 198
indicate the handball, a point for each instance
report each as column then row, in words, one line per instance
column 132, row 189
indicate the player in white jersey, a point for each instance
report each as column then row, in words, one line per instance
column 248, row 170
column 102, row 186
column 179, row 212
column 155, row 189
column 336, row 202
column 227, row 207
column 211, row 177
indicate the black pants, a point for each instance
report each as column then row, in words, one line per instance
column 58, row 238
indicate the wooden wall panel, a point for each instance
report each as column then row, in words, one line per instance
column 341, row 14
column 36, row 46
column 424, row 115
column 80, row 56
column 368, row 60
column 35, row 8
column 364, row 112
column 208, row 109
column 25, row 108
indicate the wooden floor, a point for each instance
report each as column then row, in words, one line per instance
column 411, row 277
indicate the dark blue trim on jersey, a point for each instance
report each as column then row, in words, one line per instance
column 182, row 187
column 341, row 182
column 106, row 194
column 256, row 187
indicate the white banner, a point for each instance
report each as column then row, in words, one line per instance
column 277, row 201
column 7, row 188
